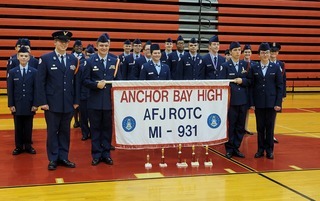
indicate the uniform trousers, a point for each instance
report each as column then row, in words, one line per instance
column 101, row 132
column 58, row 135
column 265, row 118
column 236, row 131
column 23, row 125
column 84, row 119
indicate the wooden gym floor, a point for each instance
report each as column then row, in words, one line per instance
column 294, row 174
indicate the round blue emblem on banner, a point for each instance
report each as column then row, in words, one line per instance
column 213, row 121
column 128, row 124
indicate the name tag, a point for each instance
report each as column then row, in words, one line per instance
column 150, row 73
column 174, row 60
column 54, row 68
column 95, row 68
column 272, row 73
column 256, row 73
column 15, row 79
column 232, row 74
column 187, row 64
column 132, row 63
column 209, row 65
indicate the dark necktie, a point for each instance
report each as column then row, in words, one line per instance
column 137, row 56
column 215, row 61
column 24, row 72
column 193, row 58
column 180, row 55
column 237, row 67
column 62, row 61
column 102, row 61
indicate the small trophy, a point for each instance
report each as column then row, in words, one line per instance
column 148, row 165
column 181, row 164
column 207, row 162
column 194, row 163
column 162, row 164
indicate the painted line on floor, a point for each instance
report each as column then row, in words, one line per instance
column 59, row 180
column 295, row 167
column 230, row 170
column 149, row 175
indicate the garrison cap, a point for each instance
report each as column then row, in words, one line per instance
column 275, row 46
column 154, row 47
column 193, row 40
column 62, row 35
column 127, row 42
column 103, row 38
column 90, row 48
column 247, row 47
column 234, row 45
column 25, row 41
column 214, row 39
column 169, row 40
column 77, row 43
column 180, row 38
column 148, row 42
column 23, row 49
column 264, row 47
column 137, row 41
column 226, row 52
column 18, row 42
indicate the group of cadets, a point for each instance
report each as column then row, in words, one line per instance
column 64, row 85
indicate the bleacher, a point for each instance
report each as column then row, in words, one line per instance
column 294, row 24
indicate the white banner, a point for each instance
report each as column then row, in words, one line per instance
column 153, row 114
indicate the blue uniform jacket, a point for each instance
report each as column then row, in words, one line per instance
column 22, row 90
column 164, row 57
column 94, row 71
column 284, row 76
column 239, row 93
column 266, row 91
column 135, row 73
column 187, row 69
column 211, row 71
column 149, row 72
column 57, row 85
column 173, row 59
column 127, row 67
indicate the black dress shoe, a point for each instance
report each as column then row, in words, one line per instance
column 76, row 124
column 229, row 155
column 84, row 138
column 17, row 151
column 95, row 161
column 108, row 161
column 31, row 150
column 238, row 154
column 112, row 148
column 270, row 156
column 67, row 163
column 259, row 155
column 52, row 165
column 248, row 132
column 275, row 140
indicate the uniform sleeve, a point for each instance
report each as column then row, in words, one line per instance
column 279, row 87
column 10, row 89
column 41, row 83
column 143, row 73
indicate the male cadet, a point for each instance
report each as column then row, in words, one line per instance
column 100, row 68
column 213, row 60
column 247, row 53
column 168, row 49
column 129, row 61
column 274, row 52
column 126, row 50
column 13, row 61
column 265, row 99
column 190, row 66
column 58, row 96
column 175, row 56
column 77, row 52
column 227, row 55
column 235, row 69
column 89, row 51
column 21, row 101
column 135, row 73
column 155, row 69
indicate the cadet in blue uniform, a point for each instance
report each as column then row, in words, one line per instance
column 77, row 52
column 274, row 52
column 227, row 55
column 13, row 61
column 266, row 99
column 168, row 49
column 21, row 101
column 175, row 56
column 139, row 62
column 155, row 69
column 190, row 66
column 213, row 60
column 247, row 52
column 58, row 96
column 129, row 61
column 98, row 69
column 127, row 47
column 236, row 69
